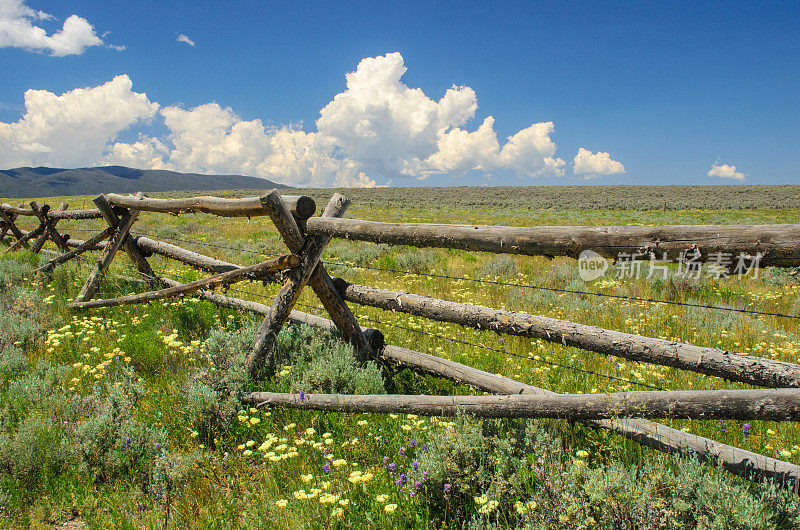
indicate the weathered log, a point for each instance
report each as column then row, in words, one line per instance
column 8, row 224
column 193, row 259
column 320, row 281
column 253, row 272
column 49, row 223
column 289, row 293
column 300, row 206
column 112, row 246
column 778, row 244
column 128, row 244
column 26, row 236
column 17, row 210
column 782, row 404
column 710, row 361
column 77, row 214
column 651, row 434
column 83, row 246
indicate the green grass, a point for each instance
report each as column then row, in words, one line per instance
column 76, row 387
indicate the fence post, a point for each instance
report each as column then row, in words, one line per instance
column 122, row 228
column 49, row 227
column 130, row 246
column 8, row 224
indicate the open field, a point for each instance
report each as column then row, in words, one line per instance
column 110, row 417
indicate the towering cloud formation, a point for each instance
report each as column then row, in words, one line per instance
column 378, row 128
column 72, row 129
column 17, row 30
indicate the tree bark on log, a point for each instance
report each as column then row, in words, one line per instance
column 77, row 215
column 778, row 244
column 710, row 361
column 782, row 404
column 300, row 206
column 253, row 272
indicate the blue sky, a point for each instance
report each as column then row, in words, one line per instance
column 666, row 89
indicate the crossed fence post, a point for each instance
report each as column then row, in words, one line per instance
column 311, row 272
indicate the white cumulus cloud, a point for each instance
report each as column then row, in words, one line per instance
column 72, row 129
column 18, row 30
column 595, row 164
column 183, row 38
column 376, row 130
column 726, row 171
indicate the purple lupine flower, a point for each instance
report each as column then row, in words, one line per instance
column 412, row 444
column 327, row 467
column 414, row 465
column 722, row 425
column 746, row 429
column 417, row 485
column 127, row 441
column 425, row 475
column 447, row 487
column 402, row 451
column 302, row 395
column 401, row 479
column 424, row 448
column 391, row 466
column 385, row 460
column 458, row 334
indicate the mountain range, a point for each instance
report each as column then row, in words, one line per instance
column 33, row 182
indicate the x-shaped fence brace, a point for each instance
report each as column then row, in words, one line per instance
column 300, row 267
column 46, row 229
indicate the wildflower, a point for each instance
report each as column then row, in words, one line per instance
column 582, row 454
column 489, row 507
column 255, row 421
column 307, row 478
column 385, row 460
column 402, row 451
column 382, row 498
column 785, row 454
column 282, row 503
column 250, row 443
column 339, row 462
column 417, row 484
column 447, row 487
column 248, row 452
column 337, row 512
column 326, row 467
column 481, row 499
column 746, row 429
column 390, row 508
column 414, row 465
column 425, row 475
column 412, row 444
column 310, row 431
column 391, row 466
column 363, row 423
column 401, row 479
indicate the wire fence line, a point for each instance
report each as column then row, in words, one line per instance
column 466, row 343
column 501, row 283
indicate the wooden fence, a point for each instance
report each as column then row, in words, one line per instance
column 306, row 236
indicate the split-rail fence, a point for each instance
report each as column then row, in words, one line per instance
column 306, row 237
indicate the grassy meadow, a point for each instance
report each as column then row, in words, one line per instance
column 117, row 418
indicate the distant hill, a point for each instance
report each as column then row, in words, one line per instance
column 31, row 182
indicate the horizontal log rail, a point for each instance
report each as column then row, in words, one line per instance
column 778, row 244
column 645, row 432
column 253, row 272
column 301, row 206
column 710, row 361
column 781, row 404
column 84, row 246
